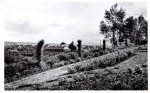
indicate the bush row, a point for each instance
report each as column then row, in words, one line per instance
column 108, row 79
column 142, row 48
column 11, row 57
column 67, row 56
column 103, row 61
column 15, row 71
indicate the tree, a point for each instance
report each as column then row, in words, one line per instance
column 39, row 49
column 79, row 47
column 142, row 27
column 114, row 18
column 139, row 33
column 39, row 54
column 129, row 26
column 120, row 24
column 62, row 43
column 72, row 47
column 105, row 29
column 104, row 44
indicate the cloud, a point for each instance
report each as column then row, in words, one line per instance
column 59, row 21
column 22, row 28
column 135, row 8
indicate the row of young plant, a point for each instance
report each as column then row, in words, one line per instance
column 72, row 57
column 143, row 47
column 103, row 61
column 106, row 79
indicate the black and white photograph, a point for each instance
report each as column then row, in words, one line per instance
column 100, row 46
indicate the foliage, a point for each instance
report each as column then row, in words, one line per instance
column 15, row 68
column 137, row 70
column 39, row 49
column 11, row 57
column 63, row 56
column 73, row 55
column 114, row 18
column 72, row 47
column 117, row 28
column 107, row 79
column 104, row 29
column 39, row 55
column 105, row 60
column 129, row 27
column 78, row 59
column 62, row 63
column 142, row 48
column 9, row 71
column 79, row 47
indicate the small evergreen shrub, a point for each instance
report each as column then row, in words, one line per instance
column 71, row 70
column 129, row 70
column 137, row 70
column 63, row 57
column 73, row 55
column 10, row 71
column 78, row 59
column 11, row 57
column 142, row 48
column 71, row 61
column 59, row 64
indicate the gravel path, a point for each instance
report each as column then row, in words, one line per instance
column 38, row 78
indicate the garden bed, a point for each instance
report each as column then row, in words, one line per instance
column 103, row 61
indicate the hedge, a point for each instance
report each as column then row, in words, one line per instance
column 103, row 61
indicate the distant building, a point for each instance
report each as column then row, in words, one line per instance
column 54, row 49
column 66, row 49
column 62, row 43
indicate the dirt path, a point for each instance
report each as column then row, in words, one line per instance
column 132, row 62
column 38, row 78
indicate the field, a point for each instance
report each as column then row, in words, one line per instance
column 122, row 68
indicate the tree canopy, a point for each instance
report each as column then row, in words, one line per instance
column 71, row 46
column 121, row 29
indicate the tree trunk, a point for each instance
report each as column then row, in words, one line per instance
column 104, row 44
column 79, row 48
column 126, row 42
column 113, row 38
column 119, row 38
column 100, row 43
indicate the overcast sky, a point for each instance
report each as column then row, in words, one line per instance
column 56, row 22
